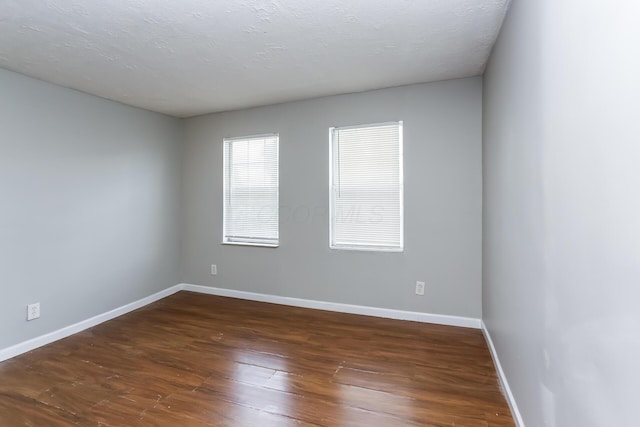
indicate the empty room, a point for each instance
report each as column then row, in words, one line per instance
column 319, row 213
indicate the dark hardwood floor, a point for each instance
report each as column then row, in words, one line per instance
column 199, row 360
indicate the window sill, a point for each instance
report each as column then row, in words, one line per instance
column 259, row 245
column 366, row 249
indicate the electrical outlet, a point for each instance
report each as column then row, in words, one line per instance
column 419, row 288
column 33, row 311
column 214, row 269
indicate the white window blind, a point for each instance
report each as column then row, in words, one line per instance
column 367, row 187
column 251, row 190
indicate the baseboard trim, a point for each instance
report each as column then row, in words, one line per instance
column 36, row 342
column 440, row 319
column 503, row 378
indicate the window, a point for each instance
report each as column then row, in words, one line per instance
column 367, row 187
column 251, row 190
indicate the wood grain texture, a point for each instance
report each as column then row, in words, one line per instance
column 201, row 360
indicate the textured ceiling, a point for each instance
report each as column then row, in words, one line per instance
column 189, row 57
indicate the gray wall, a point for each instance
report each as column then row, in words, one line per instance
column 561, row 249
column 442, row 149
column 89, row 205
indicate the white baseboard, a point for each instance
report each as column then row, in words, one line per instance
column 503, row 379
column 34, row 343
column 440, row 319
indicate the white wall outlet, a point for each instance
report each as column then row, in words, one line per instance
column 33, row 311
column 419, row 288
column 214, row 269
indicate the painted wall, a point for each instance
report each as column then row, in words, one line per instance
column 561, row 285
column 442, row 153
column 88, row 205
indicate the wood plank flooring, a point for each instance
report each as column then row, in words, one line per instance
column 200, row 360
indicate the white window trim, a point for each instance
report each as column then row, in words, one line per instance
column 332, row 167
column 224, row 184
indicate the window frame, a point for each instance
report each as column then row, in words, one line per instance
column 332, row 202
column 225, row 184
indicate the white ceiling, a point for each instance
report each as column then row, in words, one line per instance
column 190, row 57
